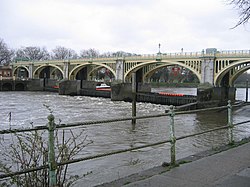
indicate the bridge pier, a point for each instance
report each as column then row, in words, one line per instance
column 66, row 70
column 207, row 69
column 123, row 91
column 206, row 93
column 120, row 69
column 31, row 67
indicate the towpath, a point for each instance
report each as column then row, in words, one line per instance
column 230, row 168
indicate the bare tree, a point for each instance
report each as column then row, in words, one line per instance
column 107, row 54
column 29, row 150
column 62, row 53
column 243, row 7
column 6, row 54
column 90, row 53
column 123, row 54
column 32, row 53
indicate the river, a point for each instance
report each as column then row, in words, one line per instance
column 28, row 108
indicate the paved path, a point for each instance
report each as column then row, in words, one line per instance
column 229, row 168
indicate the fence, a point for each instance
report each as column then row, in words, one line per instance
column 51, row 127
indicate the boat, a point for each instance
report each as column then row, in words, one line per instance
column 103, row 87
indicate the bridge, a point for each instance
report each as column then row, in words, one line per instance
column 219, row 68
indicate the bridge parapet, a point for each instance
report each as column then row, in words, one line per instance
column 177, row 55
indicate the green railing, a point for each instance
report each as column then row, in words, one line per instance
column 51, row 127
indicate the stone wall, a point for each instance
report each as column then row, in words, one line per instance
column 123, row 91
column 69, row 87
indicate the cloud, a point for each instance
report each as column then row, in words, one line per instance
column 128, row 25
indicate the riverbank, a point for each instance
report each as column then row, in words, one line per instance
column 226, row 166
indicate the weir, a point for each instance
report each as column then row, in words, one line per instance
column 123, row 92
column 206, row 94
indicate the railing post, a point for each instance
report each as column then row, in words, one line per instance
column 230, row 123
column 51, row 156
column 134, row 90
column 247, row 90
column 172, row 135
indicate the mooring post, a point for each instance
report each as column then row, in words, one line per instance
column 51, row 159
column 133, row 99
column 172, row 135
column 230, row 123
column 247, row 90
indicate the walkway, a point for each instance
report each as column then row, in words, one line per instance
column 229, row 168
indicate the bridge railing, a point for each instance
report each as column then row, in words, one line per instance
column 177, row 55
column 51, row 127
column 233, row 53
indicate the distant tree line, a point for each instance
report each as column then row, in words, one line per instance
column 35, row 53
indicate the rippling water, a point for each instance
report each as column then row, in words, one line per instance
column 28, row 107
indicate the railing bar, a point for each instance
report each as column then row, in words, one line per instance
column 199, row 110
column 23, row 171
column 203, row 132
column 108, row 121
column 240, row 123
column 8, row 131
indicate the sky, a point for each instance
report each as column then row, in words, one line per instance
column 135, row 26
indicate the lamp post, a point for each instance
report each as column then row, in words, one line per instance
column 158, row 57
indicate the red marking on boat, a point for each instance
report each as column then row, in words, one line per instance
column 55, row 86
column 171, row 94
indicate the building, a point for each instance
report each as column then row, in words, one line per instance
column 5, row 72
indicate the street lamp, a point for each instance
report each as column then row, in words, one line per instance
column 158, row 58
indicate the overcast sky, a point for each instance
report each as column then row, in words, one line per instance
column 136, row 26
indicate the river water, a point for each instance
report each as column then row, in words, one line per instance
column 28, row 108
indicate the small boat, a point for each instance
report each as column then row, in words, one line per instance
column 103, row 87
column 56, row 86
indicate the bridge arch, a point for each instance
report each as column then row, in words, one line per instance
column 76, row 69
column 236, row 75
column 148, row 74
column 39, row 69
column 162, row 63
column 26, row 69
column 234, row 70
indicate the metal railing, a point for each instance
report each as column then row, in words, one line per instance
column 51, row 127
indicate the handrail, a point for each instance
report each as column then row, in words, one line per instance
column 76, row 124
column 172, row 139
